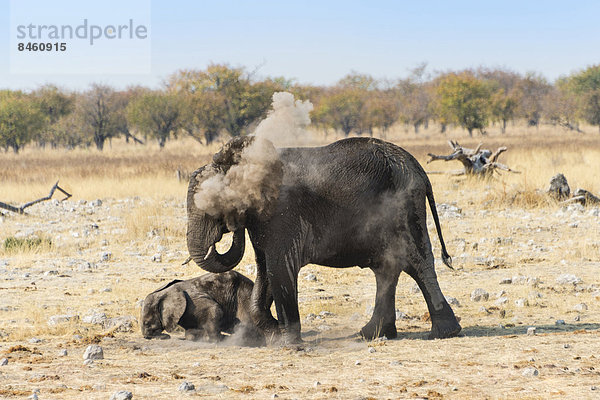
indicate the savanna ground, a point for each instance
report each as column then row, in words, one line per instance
column 104, row 259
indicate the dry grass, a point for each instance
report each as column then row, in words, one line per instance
column 507, row 228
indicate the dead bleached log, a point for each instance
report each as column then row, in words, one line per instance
column 478, row 161
column 21, row 209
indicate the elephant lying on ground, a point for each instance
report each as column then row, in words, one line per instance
column 204, row 306
column 356, row 202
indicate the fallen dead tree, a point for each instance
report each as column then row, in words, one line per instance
column 477, row 162
column 21, row 210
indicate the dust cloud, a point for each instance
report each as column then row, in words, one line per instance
column 254, row 176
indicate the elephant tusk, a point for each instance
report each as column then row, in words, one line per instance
column 211, row 249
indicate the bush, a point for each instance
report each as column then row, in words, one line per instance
column 18, row 245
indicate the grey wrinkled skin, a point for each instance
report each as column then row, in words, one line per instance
column 205, row 307
column 356, row 202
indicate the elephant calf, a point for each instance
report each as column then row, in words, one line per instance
column 204, row 306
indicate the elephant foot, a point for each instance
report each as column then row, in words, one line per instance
column 373, row 331
column 443, row 329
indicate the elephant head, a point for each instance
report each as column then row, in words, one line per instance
column 243, row 178
column 162, row 310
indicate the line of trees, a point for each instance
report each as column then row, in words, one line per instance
column 226, row 101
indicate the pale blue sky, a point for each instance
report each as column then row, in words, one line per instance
column 318, row 42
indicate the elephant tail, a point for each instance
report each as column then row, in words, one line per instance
column 445, row 256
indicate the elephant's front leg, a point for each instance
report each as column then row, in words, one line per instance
column 283, row 278
column 260, row 309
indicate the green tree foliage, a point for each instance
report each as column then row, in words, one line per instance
column 20, row 119
column 53, row 105
column 465, row 100
column 156, row 112
column 586, row 86
column 223, row 98
column 415, row 98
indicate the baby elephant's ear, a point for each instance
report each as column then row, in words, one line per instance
column 172, row 308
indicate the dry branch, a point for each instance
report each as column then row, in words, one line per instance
column 478, row 161
column 21, row 210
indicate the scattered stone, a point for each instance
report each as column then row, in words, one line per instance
column 93, row 352
column 566, row 345
column 594, row 388
column 415, row 288
column 452, row 301
column 568, row 279
column 63, row 353
column 156, row 258
column 559, row 187
column 35, row 340
column 371, row 350
column 33, row 397
column 97, row 318
column 357, row 362
column 311, row 317
column 531, row 331
column 120, row 324
column 501, row 293
column 577, row 318
column 122, row 395
column 3, row 362
column 400, row 315
column 61, row 319
column 559, row 322
column 479, row 295
column 484, row 310
column 96, row 203
column 581, row 307
column 106, row 290
column 186, row 387
column 506, row 281
column 501, row 301
column 51, row 272
column 311, row 278
column 316, row 384
column 274, row 396
column 323, row 314
column 530, row 371
column 250, row 269
column 106, row 256
column 396, row 363
column 521, row 302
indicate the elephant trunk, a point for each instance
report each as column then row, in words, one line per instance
column 204, row 231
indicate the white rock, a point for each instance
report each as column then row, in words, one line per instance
column 156, row 258
column 63, row 353
column 311, row 278
column 106, row 256
column 97, row 318
column 452, row 301
column 522, row 302
column 120, row 324
column 371, row 350
column 61, row 319
column 559, row 322
column 506, row 281
column 93, row 352
column 3, row 362
column 122, row 395
column 186, row 387
column 501, row 301
column 531, row 331
column 530, row 371
column 501, row 293
column 568, row 279
column 581, row 307
column 479, row 295
column 35, row 340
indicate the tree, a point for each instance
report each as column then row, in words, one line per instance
column 20, row 119
column 465, row 100
column 504, row 106
column 227, row 98
column 156, row 112
column 415, row 98
column 586, row 85
column 99, row 112
column 532, row 90
column 53, row 105
column 342, row 108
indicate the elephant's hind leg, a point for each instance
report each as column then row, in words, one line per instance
column 443, row 321
column 383, row 320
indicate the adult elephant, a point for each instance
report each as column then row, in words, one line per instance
column 356, row 202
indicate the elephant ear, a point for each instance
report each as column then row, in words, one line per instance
column 171, row 308
column 167, row 285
